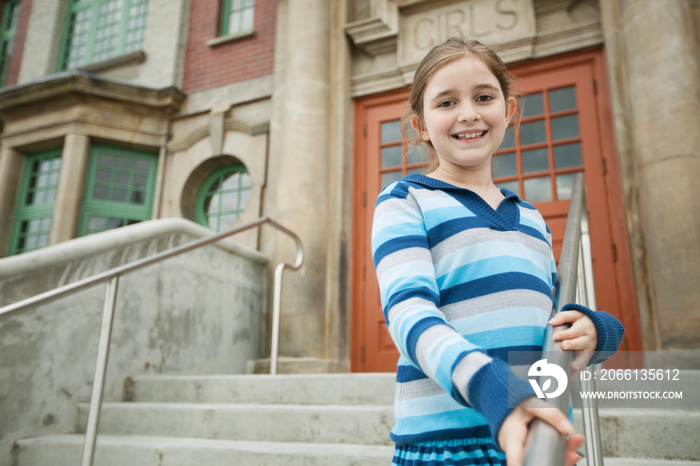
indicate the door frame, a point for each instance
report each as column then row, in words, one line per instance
column 620, row 247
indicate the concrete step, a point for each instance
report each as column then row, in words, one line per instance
column 66, row 450
column 362, row 424
column 317, row 389
column 650, row 433
column 641, row 462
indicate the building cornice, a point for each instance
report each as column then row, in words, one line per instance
column 57, row 86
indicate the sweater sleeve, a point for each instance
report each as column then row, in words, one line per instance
column 610, row 332
column 410, row 299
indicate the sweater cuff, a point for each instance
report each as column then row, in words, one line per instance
column 610, row 332
column 495, row 391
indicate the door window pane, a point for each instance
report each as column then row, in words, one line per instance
column 538, row 189
column 508, row 139
column 562, row 99
column 535, row 160
column 532, row 132
column 391, row 156
column 390, row 131
column 565, row 127
column 533, row 105
column 390, row 177
column 510, row 186
column 568, row 155
column 565, row 185
column 504, row 165
column 418, row 153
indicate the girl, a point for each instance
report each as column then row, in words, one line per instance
column 466, row 274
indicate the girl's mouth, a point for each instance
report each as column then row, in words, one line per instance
column 469, row 135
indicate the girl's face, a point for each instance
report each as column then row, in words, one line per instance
column 465, row 115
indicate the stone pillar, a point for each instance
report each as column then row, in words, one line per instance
column 10, row 175
column 298, row 176
column 663, row 72
column 71, row 183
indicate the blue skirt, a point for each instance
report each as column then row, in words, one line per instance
column 467, row 452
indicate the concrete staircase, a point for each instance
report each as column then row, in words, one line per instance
column 339, row 419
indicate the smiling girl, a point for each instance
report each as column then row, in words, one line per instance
column 466, row 275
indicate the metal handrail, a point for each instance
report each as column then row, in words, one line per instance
column 112, row 278
column 545, row 446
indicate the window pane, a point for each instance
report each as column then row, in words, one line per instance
column 247, row 20
column 106, row 161
column 138, row 197
column 504, row 165
column 538, row 189
column 391, row 156
column 418, row 153
column 387, row 178
column 565, row 185
column 565, row 127
column 100, row 192
column 532, row 132
column 562, row 99
column 113, row 223
column 121, row 178
column 391, row 131
column 508, row 139
column 510, row 186
column 533, row 104
column 119, row 195
column 535, row 160
column 142, row 166
column 96, row 223
column 417, row 170
column 568, row 155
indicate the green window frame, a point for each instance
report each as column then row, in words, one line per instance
column 35, row 202
column 119, row 189
column 237, row 17
column 223, row 197
column 97, row 30
column 8, row 26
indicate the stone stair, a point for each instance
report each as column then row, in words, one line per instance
column 339, row 419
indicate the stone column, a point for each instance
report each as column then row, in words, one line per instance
column 663, row 72
column 298, row 176
column 71, row 182
column 10, row 175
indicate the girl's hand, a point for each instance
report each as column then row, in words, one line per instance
column 581, row 337
column 513, row 432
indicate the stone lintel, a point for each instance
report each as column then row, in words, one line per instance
column 167, row 100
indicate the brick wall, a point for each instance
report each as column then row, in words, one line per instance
column 208, row 67
column 25, row 9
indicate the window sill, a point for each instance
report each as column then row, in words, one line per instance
column 230, row 38
column 131, row 58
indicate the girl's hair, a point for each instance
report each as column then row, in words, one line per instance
column 439, row 56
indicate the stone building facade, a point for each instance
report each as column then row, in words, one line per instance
column 298, row 100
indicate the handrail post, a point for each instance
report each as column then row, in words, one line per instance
column 545, row 446
column 277, row 295
column 100, row 372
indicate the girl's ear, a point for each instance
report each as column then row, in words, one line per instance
column 417, row 125
column 511, row 108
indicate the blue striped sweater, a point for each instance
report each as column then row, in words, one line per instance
column 462, row 285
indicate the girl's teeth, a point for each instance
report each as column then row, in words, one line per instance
column 469, row 135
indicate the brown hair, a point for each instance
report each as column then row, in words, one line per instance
column 439, row 56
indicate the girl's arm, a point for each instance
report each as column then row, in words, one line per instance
column 410, row 296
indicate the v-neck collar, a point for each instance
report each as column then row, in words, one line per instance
column 505, row 217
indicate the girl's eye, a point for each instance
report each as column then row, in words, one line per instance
column 445, row 104
column 484, row 98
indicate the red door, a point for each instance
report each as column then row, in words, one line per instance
column 563, row 131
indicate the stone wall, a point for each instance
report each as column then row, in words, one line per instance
column 198, row 313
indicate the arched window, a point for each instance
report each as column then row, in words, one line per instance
column 223, row 197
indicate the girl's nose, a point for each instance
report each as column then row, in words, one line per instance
column 468, row 114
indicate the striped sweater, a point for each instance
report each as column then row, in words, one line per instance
column 462, row 285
